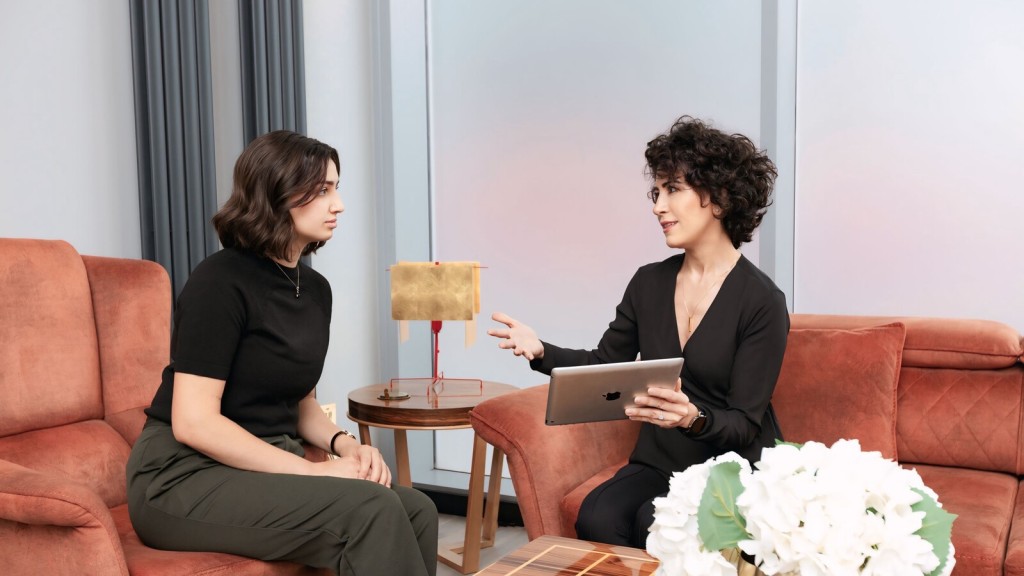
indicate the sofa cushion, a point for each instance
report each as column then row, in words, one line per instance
column 841, row 384
column 963, row 418
column 937, row 342
column 90, row 453
column 49, row 356
column 134, row 336
column 984, row 505
column 1013, row 565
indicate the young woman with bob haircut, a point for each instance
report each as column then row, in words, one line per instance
column 219, row 465
column 708, row 304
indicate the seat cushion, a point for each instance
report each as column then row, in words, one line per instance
column 90, row 453
column 1014, row 563
column 984, row 505
column 841, row 384
column 152, row 562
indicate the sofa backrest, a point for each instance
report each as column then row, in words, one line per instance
column 82, row 343
column 132, row 306
column 960, row 390
column 49, row 352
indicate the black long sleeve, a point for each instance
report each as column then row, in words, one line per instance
column 732, row 360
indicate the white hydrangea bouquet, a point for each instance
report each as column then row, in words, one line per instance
column 807, row 510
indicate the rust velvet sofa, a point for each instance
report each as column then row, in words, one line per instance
column 943, row 396
column 83, row 341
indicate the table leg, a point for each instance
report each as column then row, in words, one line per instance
column 402, row 457
column 470, row 549
column 474, row 508
column 493, row 499
column 364, row 434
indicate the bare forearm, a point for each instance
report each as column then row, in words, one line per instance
column 317, row 429
column 228, row 443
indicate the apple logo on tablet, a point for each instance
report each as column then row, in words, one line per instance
column 611, row 396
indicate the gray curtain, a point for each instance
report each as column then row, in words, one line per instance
column 273, row 81
column 174, row 133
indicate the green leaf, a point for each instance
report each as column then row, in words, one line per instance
column 936, row 528
column 719, row 523
column 796, row 445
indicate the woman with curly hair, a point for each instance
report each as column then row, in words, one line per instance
column 709, row 305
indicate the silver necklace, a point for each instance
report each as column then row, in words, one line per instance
column 298, row 276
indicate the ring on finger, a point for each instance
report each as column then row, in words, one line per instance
column 661, row 415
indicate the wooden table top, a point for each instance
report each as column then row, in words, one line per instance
column 551, row 555
column 432, row 405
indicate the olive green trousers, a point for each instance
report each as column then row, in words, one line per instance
column 179, row 499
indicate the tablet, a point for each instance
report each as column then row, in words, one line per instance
column 599, row 392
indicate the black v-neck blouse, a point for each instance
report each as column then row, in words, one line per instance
column 732, row 360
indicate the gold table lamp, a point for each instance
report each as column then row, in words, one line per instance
column 435, row 291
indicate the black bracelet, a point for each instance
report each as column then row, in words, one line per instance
column 335, row 437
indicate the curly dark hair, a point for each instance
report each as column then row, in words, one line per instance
column 726, row 170
column 275, row 173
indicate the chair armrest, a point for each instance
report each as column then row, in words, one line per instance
column 50, row 525
column 547, row 462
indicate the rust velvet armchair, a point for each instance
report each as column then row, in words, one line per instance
column 82, row 343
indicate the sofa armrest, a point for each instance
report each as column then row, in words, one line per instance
column 547, row 462
column 49, row 525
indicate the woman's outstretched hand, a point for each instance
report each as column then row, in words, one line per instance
column 518, row 337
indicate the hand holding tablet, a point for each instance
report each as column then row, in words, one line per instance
column 601, row 392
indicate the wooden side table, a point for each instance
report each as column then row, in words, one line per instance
column 440, row 405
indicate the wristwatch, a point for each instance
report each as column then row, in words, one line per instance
column 698, row 423
column 341, row 432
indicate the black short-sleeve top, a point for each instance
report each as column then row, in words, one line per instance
column 238, row 320
column 732, row 360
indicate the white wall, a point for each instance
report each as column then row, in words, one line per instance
column 67, row 126
column 338, row 90
column 910, row 159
